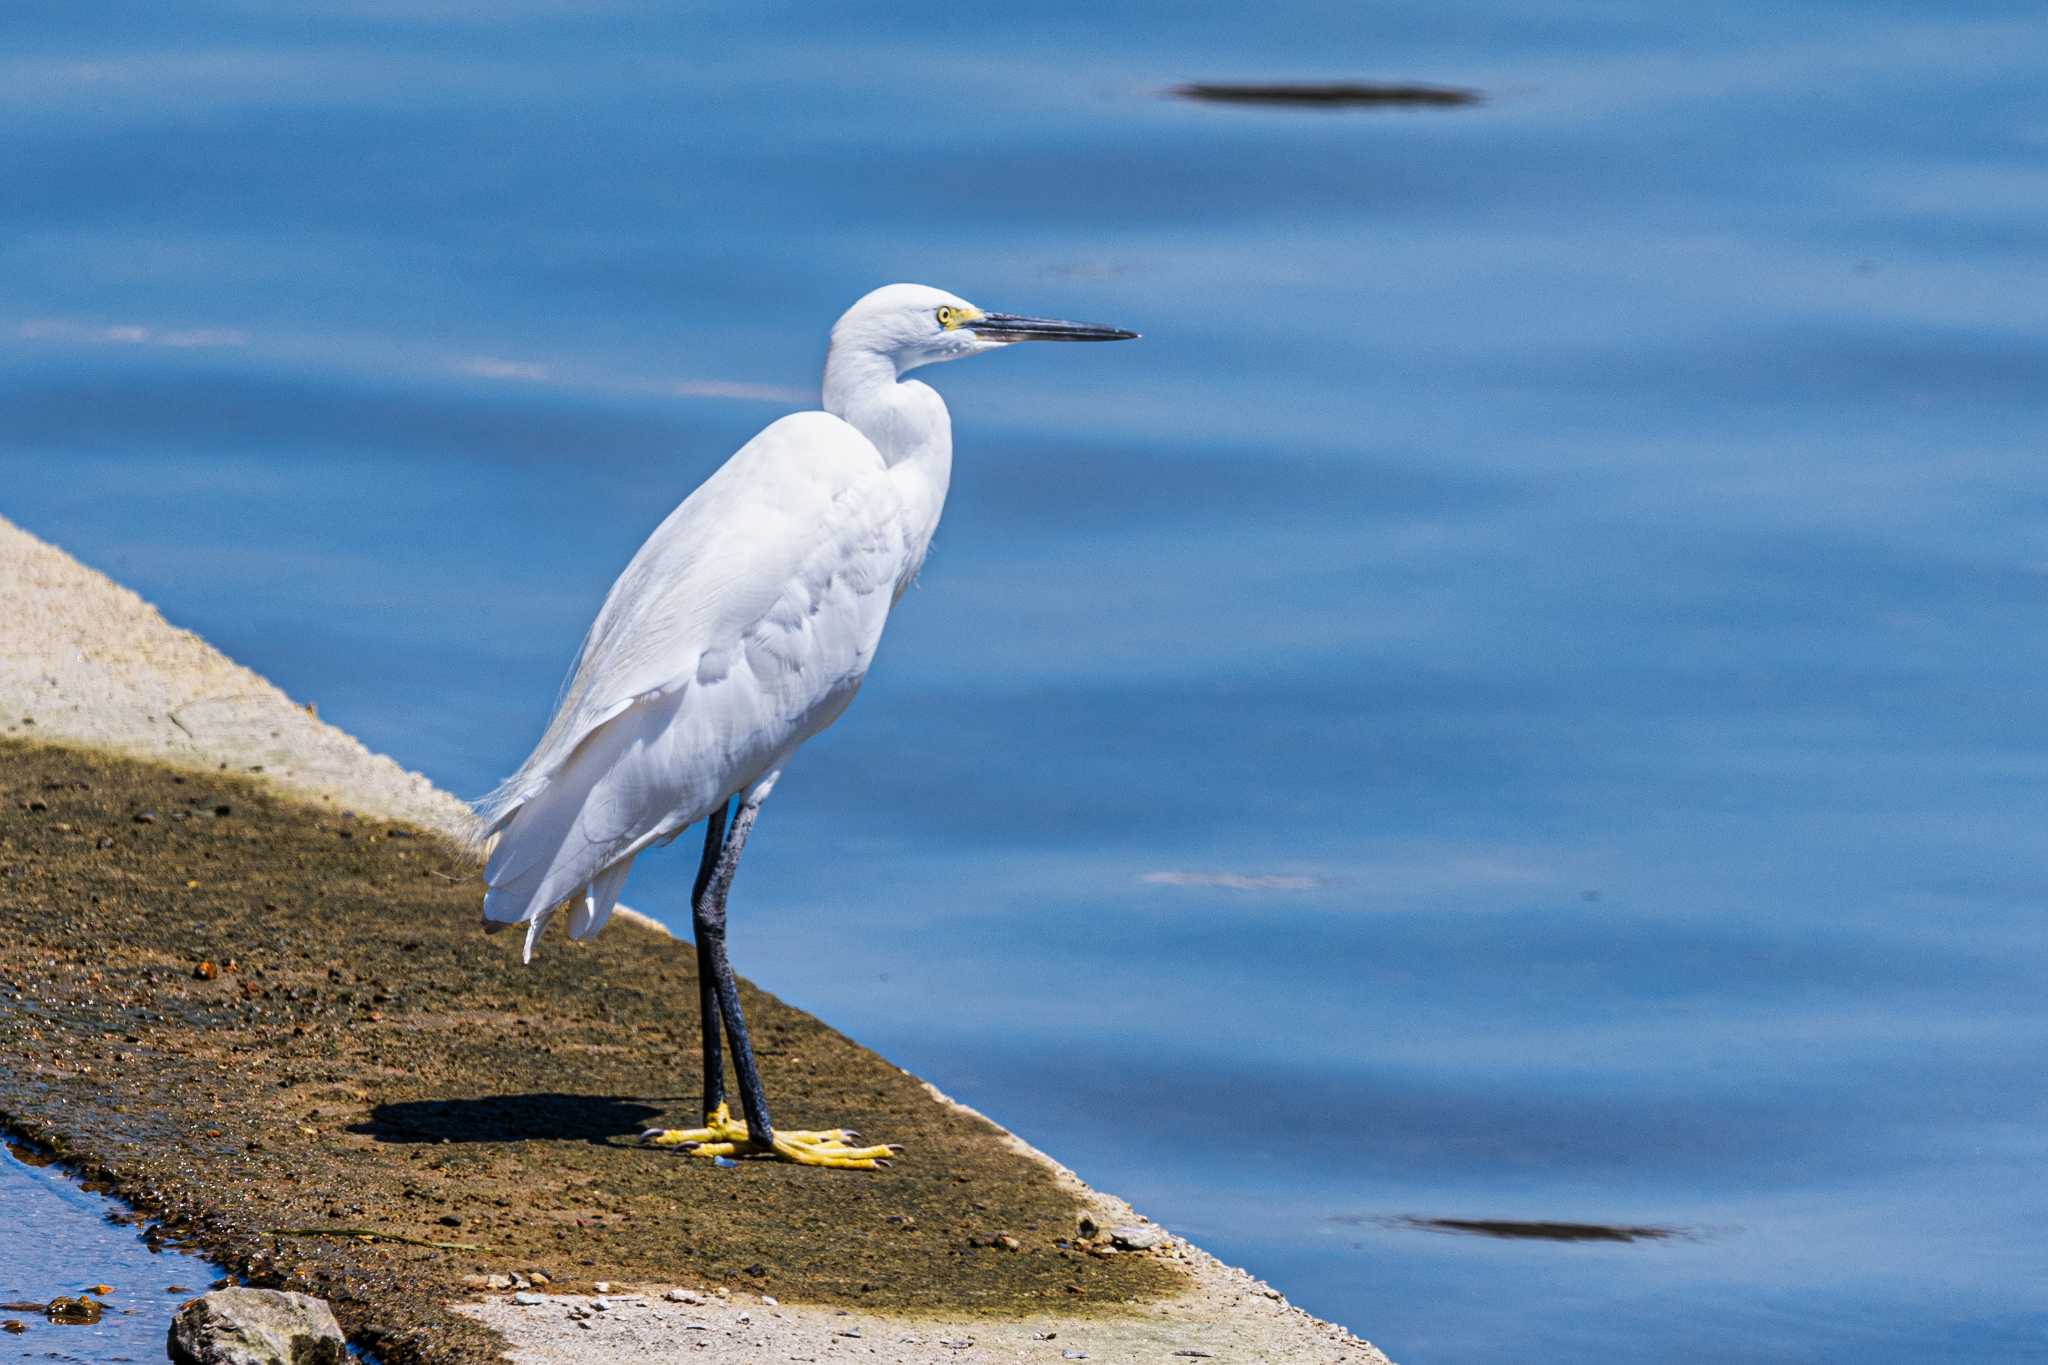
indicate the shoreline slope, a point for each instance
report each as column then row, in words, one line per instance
column 90, row 668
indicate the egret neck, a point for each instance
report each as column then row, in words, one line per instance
column 909, row 425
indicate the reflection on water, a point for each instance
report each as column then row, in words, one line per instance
column 1630, row 483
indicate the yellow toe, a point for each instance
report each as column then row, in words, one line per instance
column 836, row 1155
column 724, row 1136
column 719, row 1127
column 716, row 1148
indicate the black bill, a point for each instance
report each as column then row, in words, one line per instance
column 1014, row 327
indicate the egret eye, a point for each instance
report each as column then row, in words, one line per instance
column 948, row 316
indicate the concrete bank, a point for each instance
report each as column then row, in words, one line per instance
column 361, row 1061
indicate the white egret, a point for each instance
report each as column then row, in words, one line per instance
column 743, row 627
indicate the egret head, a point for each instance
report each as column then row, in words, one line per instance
column 914, row 324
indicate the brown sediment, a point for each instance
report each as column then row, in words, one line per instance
column 1327, row 95
column 362, row 1058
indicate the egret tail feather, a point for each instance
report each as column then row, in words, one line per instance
column 587, row 916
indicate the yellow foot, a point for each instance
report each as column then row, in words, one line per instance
column 723, row 1135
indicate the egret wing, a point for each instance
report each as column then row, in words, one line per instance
column 741, row 626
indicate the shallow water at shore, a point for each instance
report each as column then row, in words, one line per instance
column 1516, row 701
column 59, row 1240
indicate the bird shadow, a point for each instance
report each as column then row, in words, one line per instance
column 604, row 1120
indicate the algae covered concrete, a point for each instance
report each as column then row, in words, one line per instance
column 276, row 1029
column 266, row 1018
column 257, row 1006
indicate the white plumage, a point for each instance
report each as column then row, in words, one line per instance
column 743, row 627
column 747, row 621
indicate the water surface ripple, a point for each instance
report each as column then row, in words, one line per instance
column 1516, row 703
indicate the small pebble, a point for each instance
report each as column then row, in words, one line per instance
column 603, row 1286
column 601, row 1305
column 771, row 1301
column 1073, row 1355
column 682, row 1296
column 527, row 1300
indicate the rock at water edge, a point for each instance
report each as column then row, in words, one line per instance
column 256, row 1327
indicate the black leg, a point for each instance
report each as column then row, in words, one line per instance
column 718, row 996
column 707, row 968
column 710, row 925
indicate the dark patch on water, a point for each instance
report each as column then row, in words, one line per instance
column 1543, row 1230
column 1329, row 95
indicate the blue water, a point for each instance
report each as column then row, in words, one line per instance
column 58, row 1241
column 1517, row 700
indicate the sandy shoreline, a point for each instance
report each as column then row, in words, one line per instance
column 303, row 899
